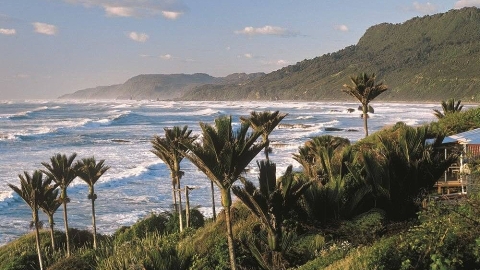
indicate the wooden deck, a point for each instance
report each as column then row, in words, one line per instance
column 445, row 187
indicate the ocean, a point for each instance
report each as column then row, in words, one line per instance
column 138, row 182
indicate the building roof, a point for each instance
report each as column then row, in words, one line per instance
column 467, row 137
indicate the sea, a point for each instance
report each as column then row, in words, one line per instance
column 138, row 183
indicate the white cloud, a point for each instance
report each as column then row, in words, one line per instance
column 172, row 15
column 166, row 56
column 276, row 63
column 7, row 32
column 282, row 62
column 248, row 55
column 139, row 37
column 46, row 29
column 427, row 8
column 170, row 9
column 341, row 27
column 467, row 3
column 112, row 11
column 266, row 30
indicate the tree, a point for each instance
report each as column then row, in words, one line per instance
column 222, row 156
column 33, row 190
column 273, row 200
column 90, row 171
column 449, row 106
column 168, row 150
column 62, row 172
column 321, row 157
column 264, row 122
column 365, row 90
column 414, row 165
column 49, row 206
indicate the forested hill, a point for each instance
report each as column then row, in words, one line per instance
column 158, row 86
column 430, row 58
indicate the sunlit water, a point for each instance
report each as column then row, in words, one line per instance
column 138, row 182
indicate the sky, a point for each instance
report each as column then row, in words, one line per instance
column 53, row 47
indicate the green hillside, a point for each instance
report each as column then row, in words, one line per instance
column 430, row 58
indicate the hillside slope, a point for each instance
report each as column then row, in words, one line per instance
column 430, row 58
column 158, row 86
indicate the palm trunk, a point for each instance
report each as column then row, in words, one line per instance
column 227, row 202
column 214, row 215
column 65, row 219
column 37, row 238
column 267, row 149
column 94, row 223
column 174, row 195
column 52, row 232
column 365, row 116
column 187, row 207
column 179, row 204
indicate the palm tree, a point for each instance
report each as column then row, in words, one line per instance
column 273, row 199
column 33, row 190
column 49, row 206
column 365, row 90
column 90, row 171
column 264, row 122
column 62, row 172
column 322, row 157
column 449, row 106
column 222, row 156
column 167, row 149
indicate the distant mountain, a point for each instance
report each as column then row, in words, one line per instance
column 159, row 86
column 430, row 58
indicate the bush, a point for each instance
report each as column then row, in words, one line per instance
column 365, row 228
column 151, row 224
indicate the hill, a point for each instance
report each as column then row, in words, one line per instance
column 430, row 58
column 158, row 86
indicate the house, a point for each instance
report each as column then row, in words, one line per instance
column 470, row 141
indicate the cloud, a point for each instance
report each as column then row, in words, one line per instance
column 282, row 62
column 266, row 30
column 7, row 32
column 111, row 11
column 46, row 29
column 341, row 27
column 248, row 55
column 172, row 15
column 278, row 63
column 139, row 37
column 427, row 8
column 166, row 56
column 170, row 9
column 466, row 3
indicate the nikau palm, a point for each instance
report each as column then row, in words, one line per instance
column 62, row 172
column 271, row 202
column 222, row 156
column 364, row 89
column 90, row 171
column 167, row 149
column 264, row 122
column 449, row 107
column 49, row 206
column 33, row 190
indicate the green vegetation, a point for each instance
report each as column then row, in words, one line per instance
column 364, row 89
column 90, row 171
column 430, row 58
column 363, row 205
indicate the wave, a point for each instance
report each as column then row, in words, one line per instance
column 26, row 114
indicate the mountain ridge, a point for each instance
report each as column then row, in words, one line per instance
column 429, row 58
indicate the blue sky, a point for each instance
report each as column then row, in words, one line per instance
column 52, row 47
